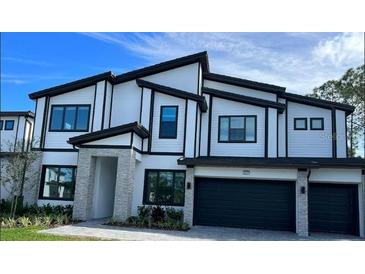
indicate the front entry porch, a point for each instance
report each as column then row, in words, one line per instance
column 104, row 183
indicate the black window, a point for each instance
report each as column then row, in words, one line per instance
column 9, row 124
column 237, row 129
column 70, row 118
column 58, row 183
column 168, row 122
column 300, row 124
column 317, row 123
column 164, row 187
column 1, row 124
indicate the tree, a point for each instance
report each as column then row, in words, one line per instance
column 18, row 172
column 349, row 89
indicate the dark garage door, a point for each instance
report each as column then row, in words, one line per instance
column 333, row 208
column 245, row 203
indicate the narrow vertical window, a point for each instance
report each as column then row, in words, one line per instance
column 168, row 122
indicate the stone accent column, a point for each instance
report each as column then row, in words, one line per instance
column 31, row 188
column 84, row 185
column 362, row 229
column 302, row 203
column 124, row 185
column 189, row 197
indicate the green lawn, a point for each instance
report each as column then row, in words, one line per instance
column 30, row 234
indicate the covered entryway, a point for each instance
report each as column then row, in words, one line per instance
column 258, row 204
column 333, row 208
column 104, row 187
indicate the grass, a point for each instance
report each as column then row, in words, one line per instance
column 30, row 234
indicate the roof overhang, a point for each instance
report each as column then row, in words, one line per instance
column 17, row 113
column 110, row 132
column 243, row 83
column 295, row 162
column 175, row 92
column 244, row 99
column 296, row 98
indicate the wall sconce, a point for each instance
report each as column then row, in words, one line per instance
column 188, row 185
column 302, row 190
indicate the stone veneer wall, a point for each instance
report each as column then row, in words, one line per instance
column 189, row 197
column 86, row 177
column 301, row 203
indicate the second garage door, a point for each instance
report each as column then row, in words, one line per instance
column 245, row 203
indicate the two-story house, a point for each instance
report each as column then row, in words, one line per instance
column 16, row 129
column 228, row 151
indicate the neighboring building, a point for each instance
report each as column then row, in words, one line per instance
column 228, row 151
column 16, row 129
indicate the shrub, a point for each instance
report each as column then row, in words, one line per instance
column 8, row 222
column 174, row 214
column 112, row 221
column 59, row 219
column 144, row 212
column 47, row 220
column 158, row 214
column 133, row 220
column 24, row 221
column 37, row 221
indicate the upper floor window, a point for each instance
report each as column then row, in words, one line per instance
column 168, row 122
column 58, row 183
column 237, row 129
column 1, row 124
column 9, row 124
column 317, row 123
column 164, row 187
column 70, row 118
column 300, row 124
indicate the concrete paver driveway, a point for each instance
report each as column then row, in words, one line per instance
column 198, row 233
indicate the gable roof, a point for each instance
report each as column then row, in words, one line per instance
column 109, row 132
column 294, row 162
column 17, row 113
column 244, row 99
column 175, row 92
column 243, row 83
column 201, row 57
column 317, row 102
column 82, row 83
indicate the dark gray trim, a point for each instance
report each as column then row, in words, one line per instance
column 174, row 92
column 17, row 131
column 17, row 113
column 286, row 129
column 201, row 57
column 107, row 146
column 177, row 119
column 172, row 153
column 152, row 104
column 244, row 99
column 209, row 123
column 243, row 83
column 200, row 132
column 305, row 119
column 266, row 132
column 44, row 122
column 93, row 118
column 277, row 134
column 71, row 86
column 292, row 162
column 334, row 133
column 141, row 106
column 111, row 106
column 196, row 128
column 104, row 99
column 296, row 98
column 186, row 115
column 109, row 132
column 316, row 118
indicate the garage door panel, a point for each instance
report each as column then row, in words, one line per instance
column 243, row 203
column 333, row 208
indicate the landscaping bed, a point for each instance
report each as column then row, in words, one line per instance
column 156, row 218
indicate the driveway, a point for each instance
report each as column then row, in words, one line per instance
column 197, row 233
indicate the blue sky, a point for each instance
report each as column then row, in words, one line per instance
column 298, row 61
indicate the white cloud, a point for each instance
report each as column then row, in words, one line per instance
column 325, row 57
column 27, row 61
